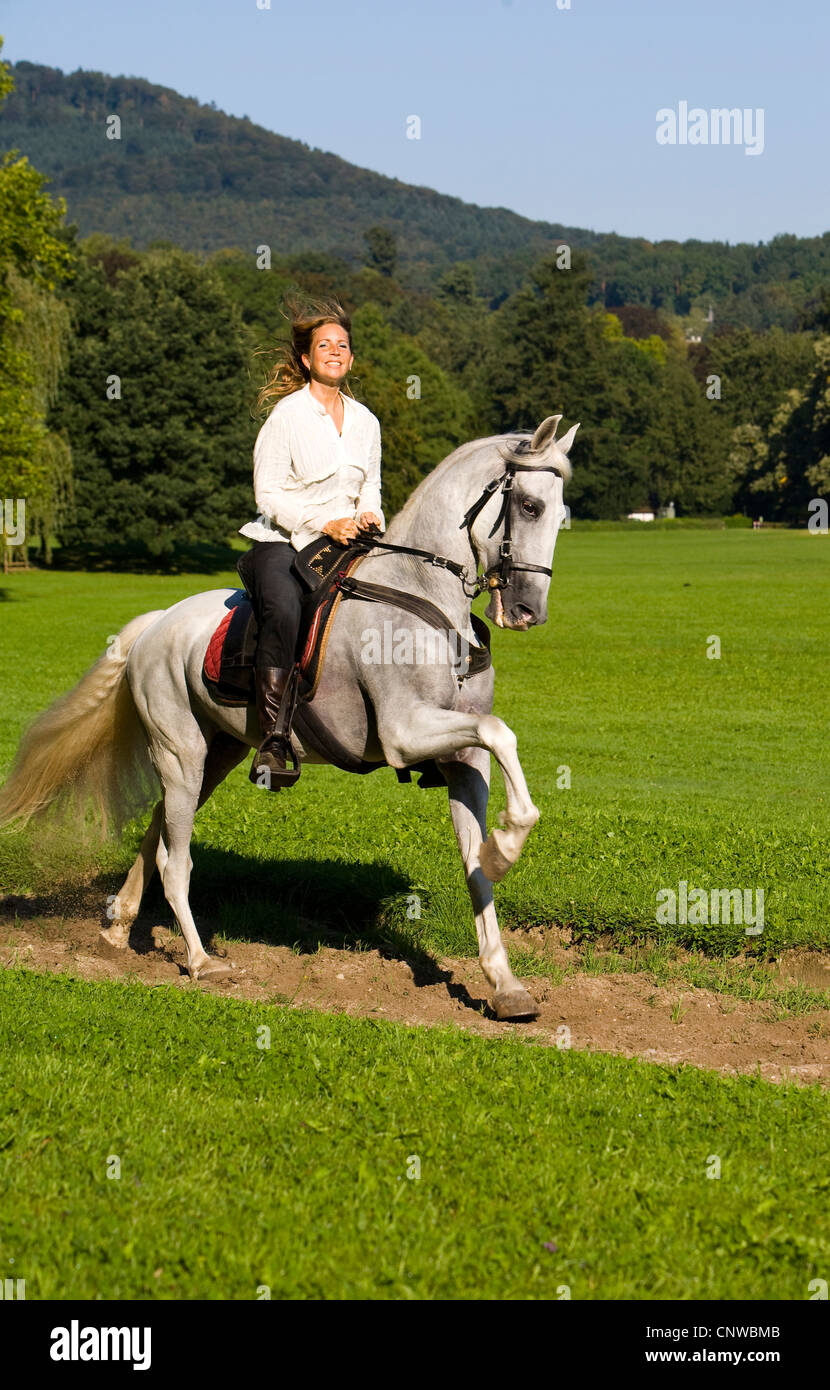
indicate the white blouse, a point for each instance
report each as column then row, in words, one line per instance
column 306, row 474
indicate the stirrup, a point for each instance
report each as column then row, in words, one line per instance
column 262, row 774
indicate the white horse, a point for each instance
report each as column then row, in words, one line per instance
column 144, row 713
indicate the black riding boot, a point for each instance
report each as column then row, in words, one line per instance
column 275, row 751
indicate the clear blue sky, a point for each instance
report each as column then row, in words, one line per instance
column 549, row 112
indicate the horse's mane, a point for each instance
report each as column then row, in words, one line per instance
column 513, row 447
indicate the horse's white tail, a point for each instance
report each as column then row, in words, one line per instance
column 88, row 749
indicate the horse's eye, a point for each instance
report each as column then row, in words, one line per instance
column 529, row 508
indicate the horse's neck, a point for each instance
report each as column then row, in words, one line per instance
column 433, row 525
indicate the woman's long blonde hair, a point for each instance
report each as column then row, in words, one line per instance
column 288, row 372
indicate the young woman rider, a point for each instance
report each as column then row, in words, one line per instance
column 316, row 472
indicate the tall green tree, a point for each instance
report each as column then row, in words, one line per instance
column 35, row 255
column 381, row 249
column 770, row 387
column 780, row 466
column 157, row 407
column 424, row 413
column 647, row 435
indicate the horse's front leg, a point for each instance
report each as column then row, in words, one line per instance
column 469, row 785
column 413, row 734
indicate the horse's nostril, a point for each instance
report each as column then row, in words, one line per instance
column 523, row 614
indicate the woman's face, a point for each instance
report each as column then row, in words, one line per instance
column 331, row 356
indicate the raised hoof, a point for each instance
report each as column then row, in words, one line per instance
column 516, row 1006
column 212, row 970
column 493, row 864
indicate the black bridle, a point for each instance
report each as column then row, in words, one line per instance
column 498, row 575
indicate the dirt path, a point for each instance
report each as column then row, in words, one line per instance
column 619, row 1013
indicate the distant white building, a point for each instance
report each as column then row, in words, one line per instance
column 641, row 516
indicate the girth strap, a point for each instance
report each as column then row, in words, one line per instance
column 477, row 659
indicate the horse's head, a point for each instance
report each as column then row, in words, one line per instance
column 536, row 512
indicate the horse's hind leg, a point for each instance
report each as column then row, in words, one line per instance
column 468, row 782
column 224, row 753
column 128, row 898
column 181, row 785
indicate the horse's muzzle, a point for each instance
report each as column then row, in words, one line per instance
column 522, row 617
column 516, row 616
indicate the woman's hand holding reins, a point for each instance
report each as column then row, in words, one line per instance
column 342, row 530
column 346, row 528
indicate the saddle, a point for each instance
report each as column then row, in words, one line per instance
column 228, row 666
column 325, row 568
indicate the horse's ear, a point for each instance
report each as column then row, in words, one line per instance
column 545, row 434
column 564, row 444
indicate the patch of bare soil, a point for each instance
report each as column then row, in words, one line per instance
column 623, row 1013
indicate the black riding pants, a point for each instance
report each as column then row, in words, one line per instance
column 277, row 598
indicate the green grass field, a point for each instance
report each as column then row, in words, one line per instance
column 287, row 1167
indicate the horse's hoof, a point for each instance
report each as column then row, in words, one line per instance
column 115, row 943
column 515, row 1005
column 493, row 864
column 213, row 970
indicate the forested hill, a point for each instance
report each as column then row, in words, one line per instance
column 189, row 174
